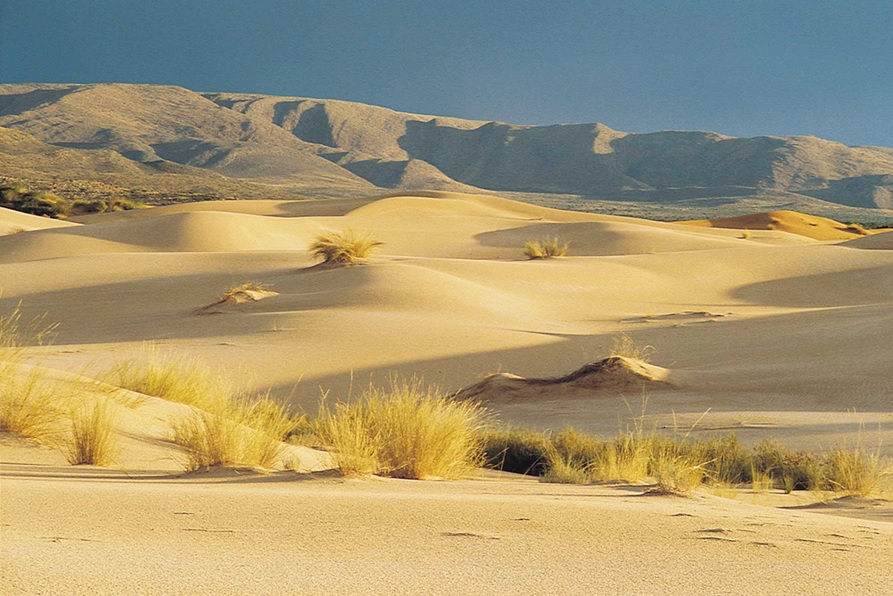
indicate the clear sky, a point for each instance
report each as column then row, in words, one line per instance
column 739, row 67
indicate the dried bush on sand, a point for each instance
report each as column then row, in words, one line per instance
column 545, row 248
column 344, row 248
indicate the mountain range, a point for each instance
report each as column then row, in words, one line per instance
column 168, row 144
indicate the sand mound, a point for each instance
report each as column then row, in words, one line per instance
column 878, row 241
column 231, row 300
column 611, row 375
column 434, row 203
column 12, row 222
column 811, row 226
column 199, row 231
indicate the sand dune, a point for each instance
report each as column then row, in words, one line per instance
column 780, row 335
column 14, row 222
column 811, row 226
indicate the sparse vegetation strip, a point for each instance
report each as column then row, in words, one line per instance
column 47, row 204
column 678, row 464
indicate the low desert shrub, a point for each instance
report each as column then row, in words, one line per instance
column 522, row 451
column 790, row 470
column 546, row 248
column 344, row 248
column 93, row 440
column 408, row 430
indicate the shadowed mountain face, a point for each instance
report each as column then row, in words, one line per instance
column 267, row 146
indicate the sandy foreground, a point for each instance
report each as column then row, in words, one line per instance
column 771, row 333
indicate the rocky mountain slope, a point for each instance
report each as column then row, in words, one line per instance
column 172, row 143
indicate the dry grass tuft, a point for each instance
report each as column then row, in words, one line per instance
column 234, row 431
column 169, row 375
column 93, row 440
column 546, row 248
column 29, row 407
column 344, row 248
column 855, row 472
column 16, row 334
column 406, row 431
column 625, row 347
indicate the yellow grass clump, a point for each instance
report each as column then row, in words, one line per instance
column 344, row 248
column 855, row 472
column 93, row 440
column 406, row 431
column 546, row 248
column 29, row 407
column 625, row 347
column 169, row 375
column 233, row 431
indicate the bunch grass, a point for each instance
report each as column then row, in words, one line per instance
column 93, row 440
column 344, row 248
column 408, row 430
column 546, row 248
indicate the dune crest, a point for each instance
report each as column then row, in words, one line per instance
column 613, row 376
column 811, row 226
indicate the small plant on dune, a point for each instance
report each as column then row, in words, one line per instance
column 28, row 404
column 169, row 375
column 234, row 431
column 745, row 235
column 29, row 407
column 16, row 334
column 93, row 440
column 406, row 431
column 675, row 474
column 344, row 248
column 546, row 248
column 855, row 472
column 625, row 347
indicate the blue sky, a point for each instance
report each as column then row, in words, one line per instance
column 744, row 68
